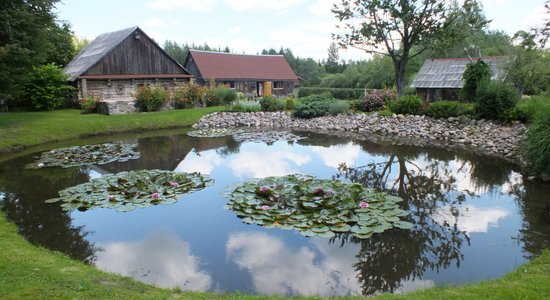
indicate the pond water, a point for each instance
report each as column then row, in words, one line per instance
column 474, row 218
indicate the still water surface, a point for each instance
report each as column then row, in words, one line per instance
column 475, row 218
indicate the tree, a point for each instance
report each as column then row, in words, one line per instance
column 30, row 36
column 392, row 28
column 331, row 64
column 79, row 43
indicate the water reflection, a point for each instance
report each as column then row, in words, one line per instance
column 203, row 162
column 161, row 259
column 334, row 156
column 470, row 218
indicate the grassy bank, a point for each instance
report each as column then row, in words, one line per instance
column 30, row 272
column 23, row 129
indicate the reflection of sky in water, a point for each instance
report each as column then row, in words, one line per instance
column 160, row 259
column 196, row 242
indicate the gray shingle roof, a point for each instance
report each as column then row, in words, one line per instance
column 95, row 51
column 447, row 72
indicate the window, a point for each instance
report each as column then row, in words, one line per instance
column 229, row 84
column 278, row 85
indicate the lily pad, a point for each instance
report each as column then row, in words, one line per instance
column 125, row 191
column 266, row 136
column 85, row 155
column 315, row 207
column 213, row 132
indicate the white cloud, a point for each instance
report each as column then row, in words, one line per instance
column 235, row 29
column 259, row 164
column 203, row 162
column 271, row 5
column 323, row 7
column 277, row 269
column 333, row 156
column 470, row 218
column 161, row 259
column 194, row 5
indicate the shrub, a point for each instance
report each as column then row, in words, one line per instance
column 494, row 98
column 208, row 97
column 446, row 109
column 474, row 76
column 338, row 93
column 89, row 105
column 338, row 107
column 245, row 106
column 269, row 103
column 411, row 105
column 537, row 143
column 376, row 100
column 151, row 97
column 385, row 113
column 187, row 95
column 313, row 106
column 47, row 87
column 290, row 103
column 526, row 109
column 225, row 95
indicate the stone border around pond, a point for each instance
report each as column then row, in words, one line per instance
column 481, row 136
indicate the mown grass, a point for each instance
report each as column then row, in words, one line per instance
column 32, row 272
column 23, row 129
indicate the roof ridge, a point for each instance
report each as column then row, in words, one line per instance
column 243, row 54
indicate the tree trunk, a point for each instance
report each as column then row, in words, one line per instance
column 400, row 75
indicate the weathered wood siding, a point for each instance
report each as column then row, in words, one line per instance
column 193, row 69
column 135, row 56
column 121, row 89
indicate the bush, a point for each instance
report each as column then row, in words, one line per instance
column 47, row 87
column 269, row 103
column 338, row 107
column 313, row 106
column 474, row 76
column 89, row 105
column 526, row 109
column 187, row 95
column 376, row 100
column 411, row 105
column 245, row 106
column 225, row 95
column 151, row 97
column 338, row 93
column 290, row 103
column 537, row 143
column 494, row 98
column 446, row 109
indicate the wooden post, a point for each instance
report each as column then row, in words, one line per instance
column 84, row 87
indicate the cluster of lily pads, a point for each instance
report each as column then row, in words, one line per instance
column 84, row 155
column 243, row 136
column 213, row 132
column 316, row 207
column 126, row 191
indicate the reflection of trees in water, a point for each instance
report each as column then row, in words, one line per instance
column 533, row 201
column 386, row 260
column 42, row 223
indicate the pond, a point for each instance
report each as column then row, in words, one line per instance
column 474, row 218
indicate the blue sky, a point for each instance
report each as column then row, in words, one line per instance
column 248, row 26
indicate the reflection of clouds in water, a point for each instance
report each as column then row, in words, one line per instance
column 260, row 164
column 276, row 269
column 160, row 259
column 470, row 218
column 333, row 156
column 203, row 162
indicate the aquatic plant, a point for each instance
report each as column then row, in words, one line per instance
column 85, row 155
column 125, row 191
column 315, row 207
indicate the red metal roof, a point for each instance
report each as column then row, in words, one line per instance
column 219, row 65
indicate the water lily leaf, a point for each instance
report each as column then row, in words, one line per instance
column 403, row 225
column 125, row 191
column 314, row 206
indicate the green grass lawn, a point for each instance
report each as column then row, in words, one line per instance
column 22, row 129
column 31, row 272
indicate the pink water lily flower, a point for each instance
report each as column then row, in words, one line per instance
column 174, row 184
column 264, row 189
column 364, row 204
column 155, row 195
column 265, row 207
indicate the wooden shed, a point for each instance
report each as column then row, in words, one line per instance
column 115, row 64
column 441, row 78
column 253, row 75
